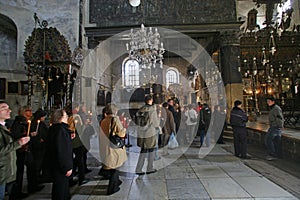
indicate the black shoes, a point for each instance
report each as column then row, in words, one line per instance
column 22, row 195
column 112, row 192
column 83, row 182
column 119, row 182
column 139, row 173
column 87, row 170
column 72, row 183
column 245, row 157
column 104, row 173
column 36, row 189
column 151, row 172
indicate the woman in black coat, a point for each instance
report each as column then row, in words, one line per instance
column 60, row 150
column 238, row 119
column 38, row 147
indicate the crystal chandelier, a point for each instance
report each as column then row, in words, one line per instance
column 145, row 47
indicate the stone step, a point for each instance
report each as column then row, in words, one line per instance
column 228, row 134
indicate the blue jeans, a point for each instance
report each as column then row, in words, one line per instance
column 156, row 147
column 2, row 191
column 204, row 136
column 273, row 141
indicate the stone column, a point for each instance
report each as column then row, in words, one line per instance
column 232, row 78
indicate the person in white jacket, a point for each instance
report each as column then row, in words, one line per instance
column 191, row 122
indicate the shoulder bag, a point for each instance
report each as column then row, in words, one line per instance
column 116, row 142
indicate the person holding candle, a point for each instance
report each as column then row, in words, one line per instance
column 8, row 147
column 38, row 146
column 22, row 127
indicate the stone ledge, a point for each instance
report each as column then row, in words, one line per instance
column 290, row 144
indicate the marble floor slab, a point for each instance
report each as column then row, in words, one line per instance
column 148, row 189
column 261, row 187
column 238, row 169
column 207, row 171
column 186, row 189
column 198, row 162
column 224, row 188
column 175, row 172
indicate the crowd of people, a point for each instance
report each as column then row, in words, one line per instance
column 65, row 141
column 28, row 139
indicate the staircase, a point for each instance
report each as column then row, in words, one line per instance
column 228, row 134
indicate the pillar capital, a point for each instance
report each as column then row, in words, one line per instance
column 230, row 38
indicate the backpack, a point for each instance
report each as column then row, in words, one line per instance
column 142, row 117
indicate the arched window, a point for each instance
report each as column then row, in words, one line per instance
column 8, row 42
column 131, row 77
column 172, row 76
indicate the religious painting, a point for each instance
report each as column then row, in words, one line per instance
column 247, row 85
column 24, row 88
column 108, row 98
column 2, row 88
column 13, row 87
column 101, row 98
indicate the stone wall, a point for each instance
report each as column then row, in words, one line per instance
column 64, row 15
column 120, row 13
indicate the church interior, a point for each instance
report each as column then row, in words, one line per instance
column 56, row 54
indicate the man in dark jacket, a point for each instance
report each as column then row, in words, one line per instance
column 168, row 126
column 273, row 137
column 8, row 148
column 204, row 121
column 238, row 119
column 147, row 137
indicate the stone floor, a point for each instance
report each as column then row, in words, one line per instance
column 190, row 173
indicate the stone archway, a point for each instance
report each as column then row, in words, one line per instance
column 8, row 43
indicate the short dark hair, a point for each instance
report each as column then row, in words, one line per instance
column 148, row 98
column 237, row 103
column 165, row 104
column 271, row 98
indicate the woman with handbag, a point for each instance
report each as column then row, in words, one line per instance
column 112, row 157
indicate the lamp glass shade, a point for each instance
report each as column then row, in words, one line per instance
column 134, row 3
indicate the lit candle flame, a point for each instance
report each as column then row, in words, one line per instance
column 28, row 129
column 37, row 127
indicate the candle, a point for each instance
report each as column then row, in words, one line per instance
column 28, row 129
column 37, row 127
